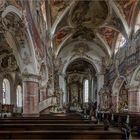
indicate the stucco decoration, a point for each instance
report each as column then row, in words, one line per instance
column 16, row 3
column 59, row 65
column 2, row 5
column 137, row 77
column 118, row 83
column 43, row 76
column 8, row 63
column 17, row 29
column 83, row 32
column 36, row 28
column 81, row 49
column 115, row 23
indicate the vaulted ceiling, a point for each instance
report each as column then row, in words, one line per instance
column 90, row 27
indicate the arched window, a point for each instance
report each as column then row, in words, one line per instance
column 6, row 91
column 19, row 96
column 86, row 91
column 121, row 42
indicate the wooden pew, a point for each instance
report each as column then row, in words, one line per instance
column 66, row 134
column 63, row 128
column 26, row 126
column 42, row 121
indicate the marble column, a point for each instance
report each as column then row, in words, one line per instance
column 30, row 96
column 134, row 100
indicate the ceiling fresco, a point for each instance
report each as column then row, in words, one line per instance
column 57, row 7
column 61, row 35
column 108, row 34
column 127, row 7
column 81, row 49
column 16, row 3
column 63, row 23
column 83, row 33
column 89, row 14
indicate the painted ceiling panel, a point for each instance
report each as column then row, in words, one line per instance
column 57, row 7
column 127, row 7
column 89, row 14
column 108, row 34
column 60, row 36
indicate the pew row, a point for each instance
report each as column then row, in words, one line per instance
column 65, row 134
column 24, row 126
column 44, row 121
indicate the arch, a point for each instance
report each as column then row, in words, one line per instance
column 102, row 49
column 134, row 16
column 6, row 96
column 59, row 19
column 117, row 11
column 135, row 77
column 12, row 43
column 84, row 58
column 106, row 46
column 117, row 85
column 12, row 9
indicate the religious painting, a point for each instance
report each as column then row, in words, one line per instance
column 108, row 35
column 89, row 14
column 74, row 93
column 127, row 7
column 57, row 7
column 105, row 100
column 61, row 36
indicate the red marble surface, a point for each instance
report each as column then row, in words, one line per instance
column 30, row 98
column 134, row 101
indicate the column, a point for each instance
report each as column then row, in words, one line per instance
column 134, row 100
column 100, row 83
column 30, row 96
column 62, row 86
column 92, row 90
column 1, row 89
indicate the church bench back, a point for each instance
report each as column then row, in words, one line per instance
column 67, row 134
